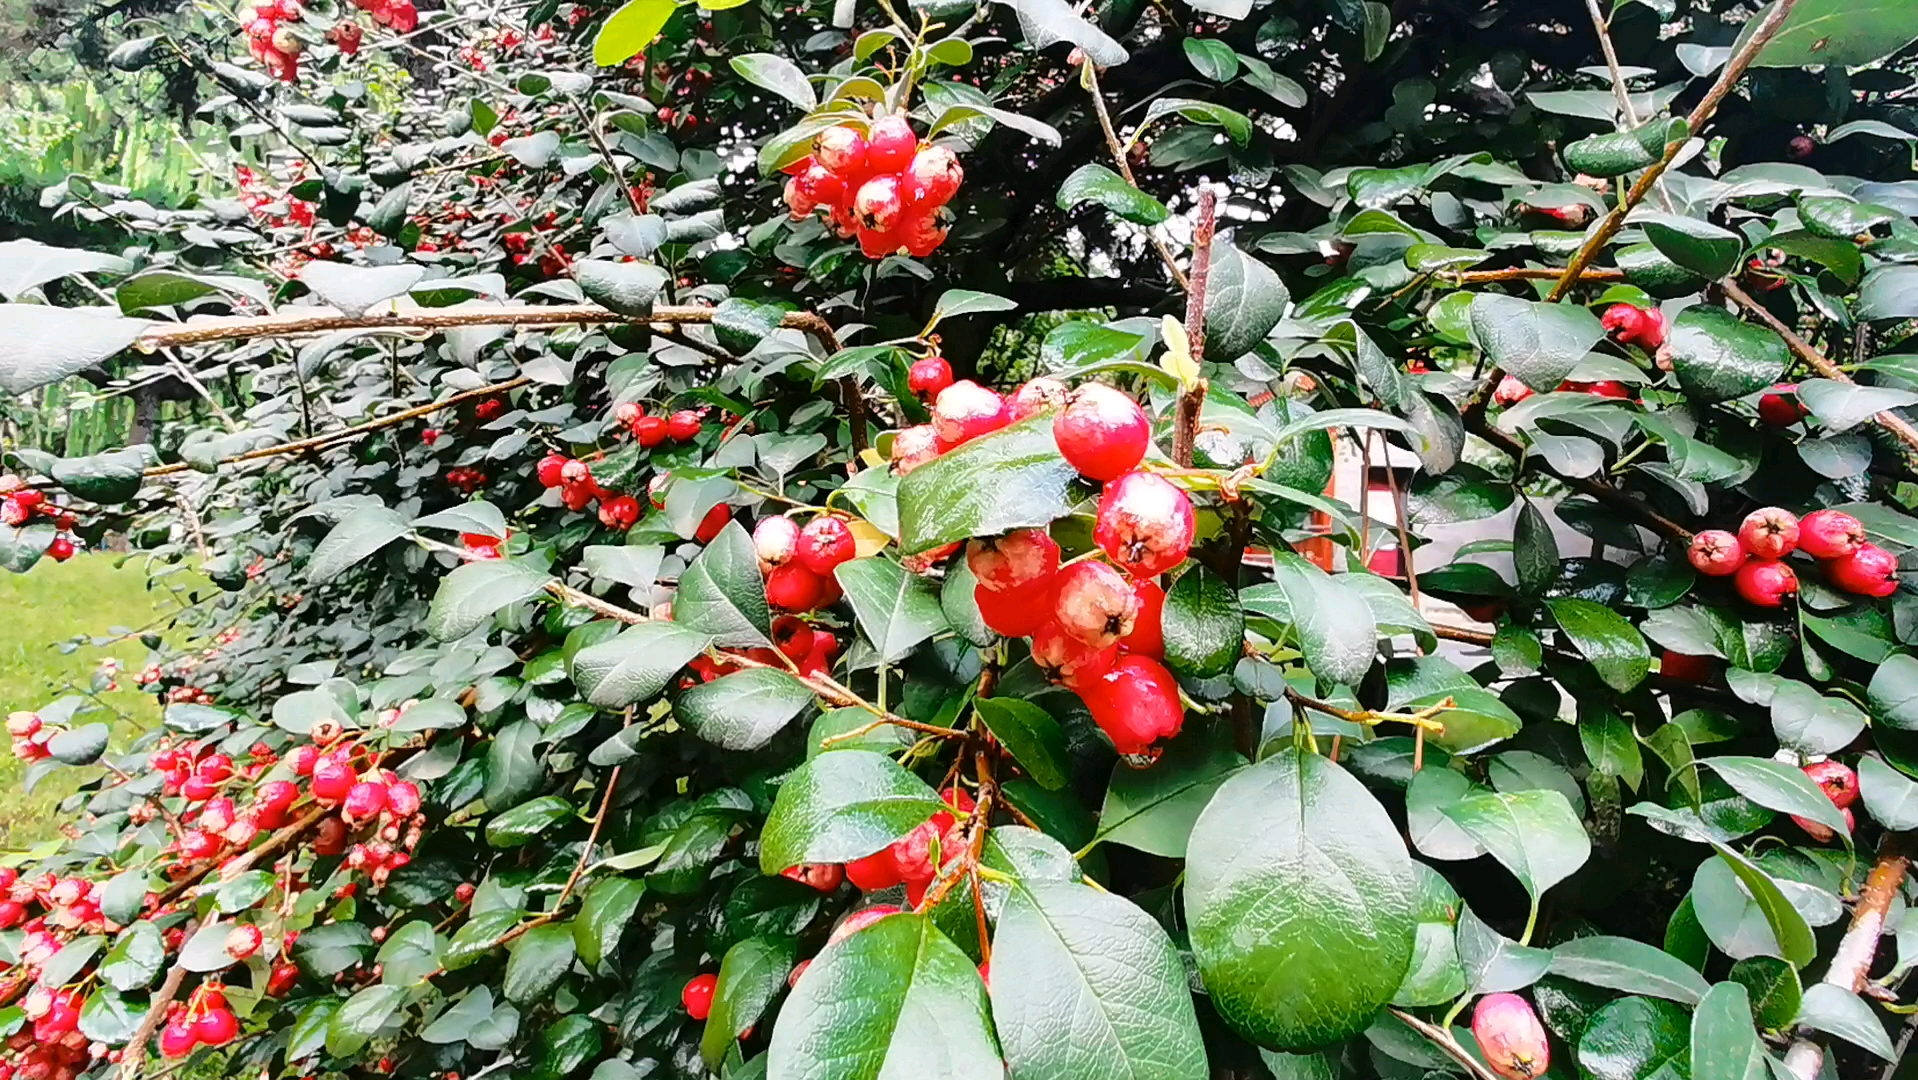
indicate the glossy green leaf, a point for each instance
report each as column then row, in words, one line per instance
column 630, row 29
column 1094, row 183
column 1204, row 626
column 722, row 593
column 524, row 823
column 744, row 710
column 1615, row 648
column 1033, row 738
column 842, row 806
column 604, row 912
column 1244, row 300
column 469, row 596
column 896, row 610
column 1534, row 834
column 1633, row 967
column 751, row 974
column 541, row 958
column 1634, row 1038
column 1718, row 356
column 1538, row 343
column 636, row 665
column 1153, row 809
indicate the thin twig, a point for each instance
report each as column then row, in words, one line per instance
column 1185, row 428
column 133, row 1057
column 1442, row 1039
column 1605, row 45
column 1119, row 156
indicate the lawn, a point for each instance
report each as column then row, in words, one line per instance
column 90, row 596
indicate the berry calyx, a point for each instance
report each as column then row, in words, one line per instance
column 1095, row 604
column 1012, row 560
column 964, row 411
column 825, row 544
column 1769, row 533
column 1765, row 582
column 1830, row 534
column 1716, row 553
column 1869, row 571
column 697, row 995
column 1510, row 1038
column 1102, row 432
column 928, row 376
column 1035, row 397
column 1066, row 659
column 1144, row 524
column 1838, row 781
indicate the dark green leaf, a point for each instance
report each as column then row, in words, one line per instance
column 842, row 806
column 743, row 710
column 1011, row 479
column 1203, row 625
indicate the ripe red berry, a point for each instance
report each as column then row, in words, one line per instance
column 914, row 447
column 1510, row 1038
column 333, row 778
column 920, row 232
column 683, row 426
column 1780, row 408
column 1868, row 571
column 650, row 430
column 576, row 472
column 874, row 872
column 1605, row 388
column 1136, row 703
column 1066, row 659
column 880, row 204
column 890, row 144
column 824, row 544
column 1511, row 391
column 364, row 801
column 1823, row 833
column 929, row 375
column 698, row 995
column 841, row 150
column 712, row 523
column 1095, row 604
column 1765, row 582
column 329, row 838
column 216, row 1027
column 933, row 176
column 792, row 587
column 1147, row 636
column 1716, row 553
column 1018, row 611
column 1144, row 524
column 1035, row 397
column 177, row 1039
column 61, row 549
column 1830, row 534
column 301, row 759
column 243, row 941
column 964, row 411
column 822, row 876
column 1633, row 325
column 793, row 637
column 1800, row 147
column 620, row 513
column 1769, row 533
column 627, row 413
column 1102, row 432
column 1006, row 562
column 775, row 540
column 489, row 410
column 1840, row 784
column 1691, row 669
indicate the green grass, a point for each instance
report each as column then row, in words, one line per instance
column 43, row 609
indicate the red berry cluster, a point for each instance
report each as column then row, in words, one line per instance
column 682, row 426
column 811, row 648
column 1840, row 784
column 1754, row 557
column 271, row 42
column 205, row 1019
column 1095, row 626
column 400, row 16
column 467, row 479
column 881, row 186
column 20, row 504
column 264, row 200
column 30, row 736
column 798, row 562
column 910, row 860
column 53, row 1047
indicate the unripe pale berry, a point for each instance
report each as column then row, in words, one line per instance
column 1510, row 1038
column 825, row 544
column 964, row 411
column 1144, row 524
column 1830, row 534
column 914, row 447
column 929, row 375
column 1868, row 571
column 775, row 540
column 1716, row 553
column 1511, row 391
column 242, row 941
column 1769, row 533
column 1136, row 703
column 1838, row 781
column 1765, row 582
column 1102, row 432
column 1035, row 397
column 1005, row 562
column 1095, row 604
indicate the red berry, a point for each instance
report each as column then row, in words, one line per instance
column 928, row 376
column 874, row 872
column 1780, row 407
column 489, row 410
column 619, row 513
column 1136, row 703
column 775, row 540
column 1769, row 533
column 841, row 150
column 1012, row 560
column 1147, row 637
column 1633, row 325
column 1510, row 1038
column 651, row 430
column 60, row 550
column 822, row 876
column 1035, row 397
column 861, row 919
column 1511, row 391
column 792, row 587
column 1840, row 784
column 1765, row 582
column 216, row 1027
column 683, row 426
column 1145, row 524
column 698, row 995
column 1800, row 147
column 824, row 647
column 1830, row 534
column 177, row 1039
column 1102, row 432
column 463, row 892
column 330, row 837
column 890, row 144
column 242, row 941
column 1095, row 604
column 1716, row 553
column 1691, row 669
column 712, row 523
column 1606, row 388
column 1016, row 612
column 576, row 472
column 793, row 637
column 914, row 447
column 364, row 801
column 1068, row 660
column 964, row 411
column 1822, row 833
column 933, row 176
column 627, row 413
column 301, row 759
column 333, row 778
column 826, row 543
column 1868, row 571
column 880, row 203
column 920, row 232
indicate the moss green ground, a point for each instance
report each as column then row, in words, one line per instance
column 88, row 597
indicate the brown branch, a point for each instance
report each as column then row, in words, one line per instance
column 1442, row 1039
column 1605, row 46
column 1185, row 427
column 133, row 1057
column 1851, row 964
column 1531, row 273
column 1603, row 492
column 1891, row 422
column 1125, row 170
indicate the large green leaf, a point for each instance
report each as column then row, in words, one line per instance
column 1778, row 786
column 108, row 1017
column 1699, row 246
column 1615, row 648
column 354, row 540
column 1095, row 183
column 1011, row 479
column 842, row 806
column 46, row 344
column 630, row 29
column 1085, row 984
column 541, row 958
column 1890, row 796
column 1203, row 625
column 1534, row 834
column 1154, row 809
column 1634, row 967
column 752, row 973
column 897, row 610
column 27, row 263
column 1838, row 33
column 604, row 912
column 1893, row 693
column 1838, row 1011
column 1033, row 738
column 897, row 999
column 112, row 477
column 637, row 664
column 525, row 822
column 1537, row 342
column 468, row 597
column 778, row 74
column 136, row 957
column 1634, row 1038
column 722, row 593
column 626, row 288
column 513, row 770
column 1301, row 902
column 1244, row 300
column 1724, row 1045
column 744, row 710
column 1718, row 356
column 1790, row 935
column 1335, row 628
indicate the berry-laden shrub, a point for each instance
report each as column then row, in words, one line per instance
column 643, row 641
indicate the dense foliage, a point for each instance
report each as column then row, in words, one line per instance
column 774, row 541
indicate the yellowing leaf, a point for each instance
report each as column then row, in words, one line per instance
column 867, row 536
column 1177, row 361
column 630, row 29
